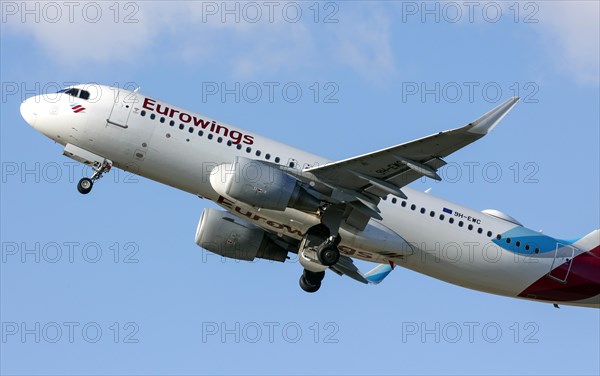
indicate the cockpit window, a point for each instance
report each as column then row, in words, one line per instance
column 73, row 92
column 83, row 94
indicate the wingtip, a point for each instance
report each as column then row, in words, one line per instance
column 489, row 120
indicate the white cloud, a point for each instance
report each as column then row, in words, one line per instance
column 365, row 45
column 572, row 30
column 189, row 32
column 82, row 32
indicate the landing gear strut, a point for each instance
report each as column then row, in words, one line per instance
column 84, row 186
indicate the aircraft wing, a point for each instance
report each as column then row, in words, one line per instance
column 361, row 181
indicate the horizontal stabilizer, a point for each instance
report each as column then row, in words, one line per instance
column 378, row 274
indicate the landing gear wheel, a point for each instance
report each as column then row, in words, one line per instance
column 313, row 277
column 311, row 281
column 84, row 186
column 329, row 254
column 307, row 286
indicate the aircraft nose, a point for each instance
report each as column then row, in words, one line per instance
column 29, row 111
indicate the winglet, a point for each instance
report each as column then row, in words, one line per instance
column 378, row 274
column 487, row 122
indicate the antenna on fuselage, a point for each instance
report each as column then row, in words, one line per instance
column 137, row 89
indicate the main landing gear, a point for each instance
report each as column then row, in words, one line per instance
column 318, row 251
column 84, row 186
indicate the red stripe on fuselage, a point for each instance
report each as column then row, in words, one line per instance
column 583, row 281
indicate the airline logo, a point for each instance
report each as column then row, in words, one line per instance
column 77, row 108
column 236, row 137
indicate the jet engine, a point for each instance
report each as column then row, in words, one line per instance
column 226, row 235
column 261, row 185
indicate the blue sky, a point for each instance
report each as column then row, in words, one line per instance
column 119, row 287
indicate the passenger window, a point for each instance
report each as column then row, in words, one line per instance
column 432, row 214
column 470, row 227
column 403, row 204
column 267, row 156
column 277, row 159
column 258, row 153
column 394, row 200
column 248, row 149
column 479, row 230
column 413, row 207
column 422, row 210
column 451, row 220
column 489, row 234
column 460, row 224
column 442, row 217
column 143, row 113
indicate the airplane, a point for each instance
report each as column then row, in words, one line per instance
column 276, row 199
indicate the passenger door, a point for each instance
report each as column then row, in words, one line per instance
column 563, row 260
column 123, row 104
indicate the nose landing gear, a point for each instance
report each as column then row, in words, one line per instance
column 84, row 186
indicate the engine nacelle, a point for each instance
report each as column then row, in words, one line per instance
column 261, row 185
column 226, row 235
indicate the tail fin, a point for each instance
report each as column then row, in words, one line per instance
column 378, row 274
column 590, row 242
